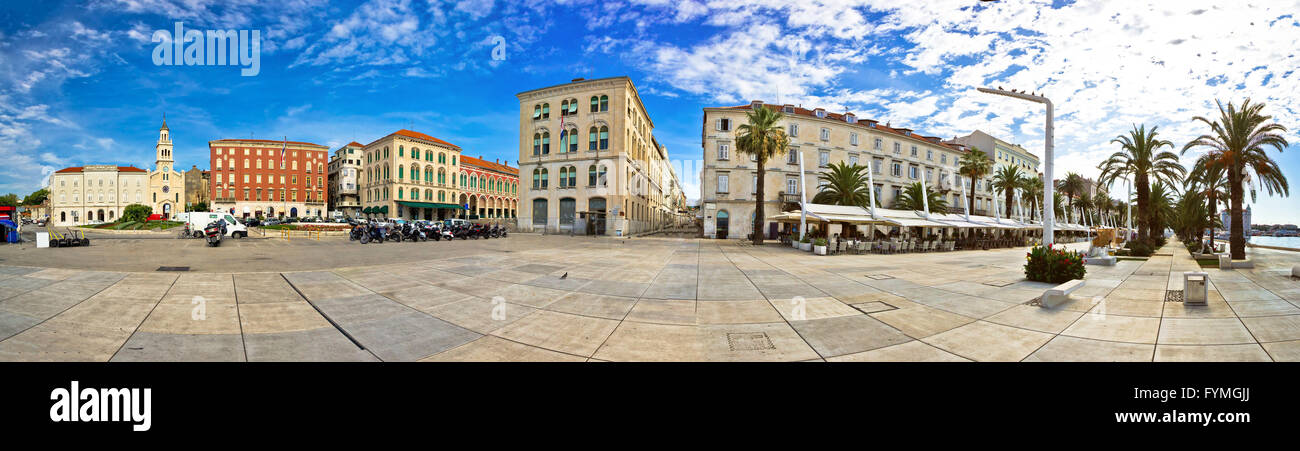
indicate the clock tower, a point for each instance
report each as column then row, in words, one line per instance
column 166, row 185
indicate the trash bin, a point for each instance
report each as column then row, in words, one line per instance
column 1195, row 287
column 1225, row 261
column 42, row 239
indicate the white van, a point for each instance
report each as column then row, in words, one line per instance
column 198, row 220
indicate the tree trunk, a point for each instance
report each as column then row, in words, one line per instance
column 970, row 207
column 1008, row 204
column 1213, row 212
column 758, row 207
column 1143, row 192
column 1237, row 241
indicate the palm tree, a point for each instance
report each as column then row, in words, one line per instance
column 910, row 199
column 1141, row 159
column 1208, row 179
column 844, row 185
column 1071, row 186
column 974, row 165
column 1007, row 179
column 1161, row 204
column 762, row 139
column 1238, row 141
column 1085, row 206
column 1033, row 192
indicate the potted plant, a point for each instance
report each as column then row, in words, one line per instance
column 805, row 243
column 819, row 246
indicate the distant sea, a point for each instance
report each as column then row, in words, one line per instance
column 1292, row 242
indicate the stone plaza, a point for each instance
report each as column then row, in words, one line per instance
column 561, row 298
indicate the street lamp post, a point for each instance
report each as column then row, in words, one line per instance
column 1049, row 216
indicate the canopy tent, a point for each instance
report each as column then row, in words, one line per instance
column 907, row 218
column 829, row 213
column 955, row 221
column 991, row 223
column 8, row 231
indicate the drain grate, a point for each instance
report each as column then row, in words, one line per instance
column 173, row 268
column 749, row 341
column 1173, row 295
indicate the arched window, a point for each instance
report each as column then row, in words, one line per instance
column 400, row 171
column 544, row 174
column 401, row 150
column 573, row 176
column 595, row 104
column 564, row 176
column 603, row 180
column 537, row 112
column 415, row 153
column 546, row 111
column 593, row 137
column 591, row 175
column 564, row 108
column 546, row 143
column 604, row 103
column 537, row 143
column 537, row 178
column 604, row 137
column 572, row 136
column 415, row 194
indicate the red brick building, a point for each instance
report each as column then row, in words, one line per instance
column 253, row 177
column 491, row 189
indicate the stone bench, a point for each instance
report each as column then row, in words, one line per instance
column 1059, row 294
column 1196, row 286
column 1225, row 261
column 1108, row 260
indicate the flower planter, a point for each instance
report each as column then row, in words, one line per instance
column 805, row 246
column 819, row 250
column 794, row 244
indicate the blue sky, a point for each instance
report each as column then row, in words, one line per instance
column 78, row 84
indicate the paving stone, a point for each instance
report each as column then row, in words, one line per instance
column 408, row 337
column 1211, row 353
column 988, row 342
column 1204, row 331
column 563, row 332
column 496, row 349
column 1037, row 318
column 325, row 344
column 587, row 304
column 1128, row 329
column 842, row 335
column 155, row 347
column 912, row 351
column 1065, row 348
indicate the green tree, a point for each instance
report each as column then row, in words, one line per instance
column 9, row 200
column 910, row 199
column 136, row 212
column 1032, row 191
column 1208, row 179
column 974, row 165
column 844, row 185
column 762, row 138
column 1071, row 186
column 1238, row 140
column 37, row 197
column 1140, row 157
column 1007, row 179
column 1161, row 203
column 198, row 206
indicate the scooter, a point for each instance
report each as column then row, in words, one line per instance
column 413, row 232
column 214, row 232
column 392, row 233
column 371, row 232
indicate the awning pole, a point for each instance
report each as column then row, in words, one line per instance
column 925, row 195
column 803, row 200
column 871, row 190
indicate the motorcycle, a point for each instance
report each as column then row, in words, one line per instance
column 392, row 232
column 214, row 232
column 413, row 232
column 358, row 232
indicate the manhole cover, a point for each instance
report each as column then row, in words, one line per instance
column 998, row 283
column 173, row 268
column 873, row 307
column 751, row 341
column 879, row 276
column 1173, row 296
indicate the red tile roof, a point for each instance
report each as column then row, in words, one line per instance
column 82, row 168
column 419, row 136
column 465, row 159
column 269, row 141
column 865, row 123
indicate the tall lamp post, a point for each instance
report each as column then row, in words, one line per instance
column 1049, row 215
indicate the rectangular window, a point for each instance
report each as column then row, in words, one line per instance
column 826, row 134
column 914, row 151
column 853, row 139
column 912, row 172
column 792, row 186
column 853, row 160
column 794, row 129
column 879, row 143
column 898, row 148
column 724, row 125
column 824, row 159
column 792, row 157
column 929, row 154
column 876, row 164
column 753, row 180
column 897, row 170
column 722, row 184
column 724, row 152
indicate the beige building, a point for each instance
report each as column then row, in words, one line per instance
column 95, row 193
column 410, row 175
column 166, row 184
column 197, row 187
column 589, row 162
column 344, row 169
column 1002, row 152
column 897, row 156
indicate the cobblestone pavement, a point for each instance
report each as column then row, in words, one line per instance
column 558, row 298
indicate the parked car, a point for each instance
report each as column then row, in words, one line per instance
column 253, row 222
